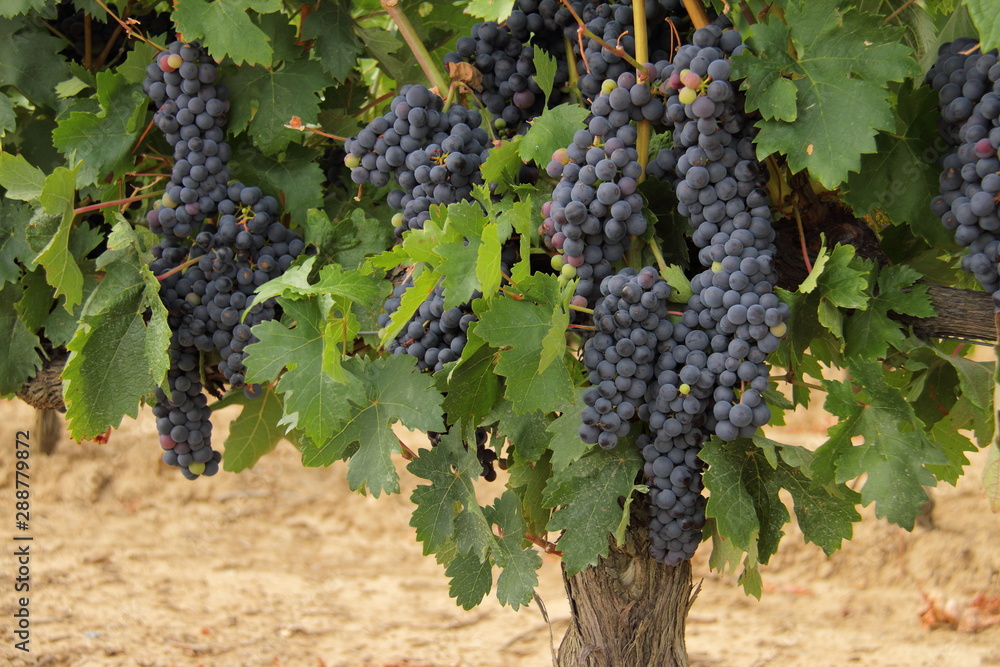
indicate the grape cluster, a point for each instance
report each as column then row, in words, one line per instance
column 208, row 267
column 960, row 81
column 191, row 112
column 595, row 209
column 969, row 91
column 183, row 417
column 434, row 335
column 632, row 322
column 506, row 63
column 434, row 154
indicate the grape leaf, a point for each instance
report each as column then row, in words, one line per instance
column 255, row 432
column 393, row 393
column 566, row 444
column 551, row 131
column 226, row 28
column 349, row 240
column 330, row 25
column 590, row 488
column 898, row 177
column 490, row 10
column 528, row 480
column 294, row 177
column 743, row 495
column 471, row 579
column 20, row 359
column 526, row 433
column 314, row 402
column 518, row 329
column 450, row 467
column 946, row 432
column 519, row 577
column 30, row 60
column 20, row 178
column 869, row 333
column 827, row 41
column 33, row 308
column 772, row 95
column 545, row 70
column 101, row 142
column 414, row 295
column 264, row 100
column 975, row 378
column 13, row 244
column 471, row 388
column 61, row 270
column 987, row 20
column 104, row 382
column 826, row 513
column 12, row 8
column 896, row 447
column 502, row 165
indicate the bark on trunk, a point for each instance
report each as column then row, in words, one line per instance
column 629, row 610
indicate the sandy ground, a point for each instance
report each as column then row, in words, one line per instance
column 282, row 565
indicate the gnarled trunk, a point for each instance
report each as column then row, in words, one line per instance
column 628, row 610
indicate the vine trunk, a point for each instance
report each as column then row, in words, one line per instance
column 629, row 609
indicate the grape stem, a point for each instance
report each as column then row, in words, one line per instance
column 545, row 545
column 583, row 30
column 790, row 379
column 574, row 74
column 583, row 327
column 748, row 15
column 899, row 11
column 697, row 13
column 297, row 124
column 88, row 42
column 129, row 30
column 802, row 240
column 513, row 295
column 178, row 268
column 408, row 453
column 420, row 52
column 117, row 202
column 581, row 309
column 645, row 128
column 658, row 254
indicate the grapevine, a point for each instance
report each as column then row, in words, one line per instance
column 591, row 250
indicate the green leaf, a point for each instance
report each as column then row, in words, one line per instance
column 490, row 10
column 471, row 579
column 451, row 468
column 349, row 240
column 545, row 71
column 295, row 177
column 897, row 178
column 590, row 489
column 61, row 270
column 314, row 402
column 896, row 447
column 471, row 388
column 330, row 25
column 826, row 513
column 104, row 382
column 21, row 180
column 12, row 8
column 519, row 577
column 975, row 377
column 772, row 94
column 264, row 101
column 869, row 333
column 20, row 359
column 393, row 393
column 526, row 433
column 30, row 60
column 502, row 166
column 226, row 28
column 518, row 329
column 987, row 20
column 566, row 445
column 102, row 142
column 13, row 244
column 529, row 480
column 255, row 432
column 551, row 131
column 821, row 42
column 946, row 432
